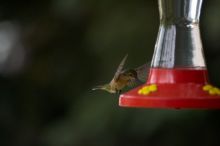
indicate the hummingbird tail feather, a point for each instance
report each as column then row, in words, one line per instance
column 100, row 87
column 97, row 88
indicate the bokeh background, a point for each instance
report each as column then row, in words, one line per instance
column 52, row 52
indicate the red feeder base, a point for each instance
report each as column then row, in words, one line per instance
column 174, row 88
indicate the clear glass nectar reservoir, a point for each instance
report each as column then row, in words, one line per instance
column 179, row 43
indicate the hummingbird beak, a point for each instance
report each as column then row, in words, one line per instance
column 138, row 81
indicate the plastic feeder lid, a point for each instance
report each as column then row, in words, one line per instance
column 174, row 88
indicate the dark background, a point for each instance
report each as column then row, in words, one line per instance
column 52, row 52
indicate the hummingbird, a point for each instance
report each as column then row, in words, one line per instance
column 123, row 78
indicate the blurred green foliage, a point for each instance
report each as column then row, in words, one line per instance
column 70, row 46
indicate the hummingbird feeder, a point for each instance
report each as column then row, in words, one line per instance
column 178, row 77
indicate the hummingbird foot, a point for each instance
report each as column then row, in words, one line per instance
column 118, row 92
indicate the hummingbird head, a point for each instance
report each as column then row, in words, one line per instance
column 131, row 74
column 105, row 87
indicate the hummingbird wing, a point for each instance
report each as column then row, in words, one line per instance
column 142, row 71
column 120, row 68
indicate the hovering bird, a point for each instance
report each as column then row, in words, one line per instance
column 123, row 78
